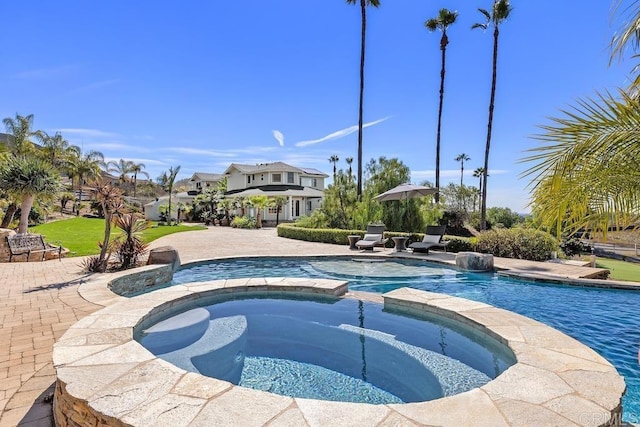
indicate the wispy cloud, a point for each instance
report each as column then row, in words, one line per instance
column 198, row 151
column 146, row 162
column 96, row 85
column 279, row 137
column 44, row 73
column 118, row 146
column 88, row 133
column 339, row 134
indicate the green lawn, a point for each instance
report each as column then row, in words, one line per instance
column 81, row 235
column 620, row 270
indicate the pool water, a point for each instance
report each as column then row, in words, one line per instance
column 606, row 320
column 329, row 349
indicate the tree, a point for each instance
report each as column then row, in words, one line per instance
column 110, row 199
column 334, row 159
column 462, row 158
column 349, row 160
column 28, row 179
column 499, row 13
column 167, row 180
column 57, row 150
column 278, row 202
column 18, row 144
column 586, row 173
column 86, row 167
column 441, row 22
column 363, row 32
column 259, row 202
column 122, row 167
column 20, row 130
column 137, row 169
column 627, row 39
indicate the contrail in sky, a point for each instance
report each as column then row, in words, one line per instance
column 339, row 134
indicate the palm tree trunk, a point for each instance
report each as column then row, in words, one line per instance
column 461, row 172
column 483, row 213
column 105, row 241
column 443, row 48
column 25, row 209
column 135, row 182
column 8, row 215
column 363, row 10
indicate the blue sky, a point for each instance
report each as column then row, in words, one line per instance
column 202, row 84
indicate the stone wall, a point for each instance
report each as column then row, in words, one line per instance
column 71, row 412
column 142, row 278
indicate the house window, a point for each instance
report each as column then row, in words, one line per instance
column 273, row 210
column 309, row 206
column 276, row 177
column 248, row 179
column 314, row 183
column 290, row 178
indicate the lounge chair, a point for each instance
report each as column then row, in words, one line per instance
column 373, row 237
column 432, row 239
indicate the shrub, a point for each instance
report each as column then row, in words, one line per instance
column 519, row 243
column 244, row 222
column 574, row 246
column 129, row 247
column 323, row 235
column 339, row 236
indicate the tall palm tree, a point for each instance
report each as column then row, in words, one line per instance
column 363, row 32
column 57, row 150
column 499, row 13
column 28, row 178
column 463, row 157
column 167, row 180
column 137, row 169
column 441, row 22
column 334, row 159
column 479, row 173
column 349, row 160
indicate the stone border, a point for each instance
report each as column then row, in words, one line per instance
column 105, row 376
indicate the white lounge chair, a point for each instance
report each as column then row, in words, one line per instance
column 432, row 239
column 373, row 237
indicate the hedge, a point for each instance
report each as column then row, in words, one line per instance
column 339, row 236
column 518, row 243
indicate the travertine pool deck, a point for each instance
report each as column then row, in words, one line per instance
column 106, row 377
column 40, row 301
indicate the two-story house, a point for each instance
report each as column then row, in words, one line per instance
column 302, row 187
column 201, row 181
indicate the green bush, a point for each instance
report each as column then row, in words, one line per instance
column 323, row 235
column 518, row 243
column 339, row 236
column 244, row 222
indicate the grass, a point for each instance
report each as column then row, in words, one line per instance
column 81, row 235
column 620, row 270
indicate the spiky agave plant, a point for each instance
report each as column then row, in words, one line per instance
column 129, row 245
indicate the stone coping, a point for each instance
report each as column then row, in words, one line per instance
column 105, row 376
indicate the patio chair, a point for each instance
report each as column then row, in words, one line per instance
column 432, row 239
column 373, row 237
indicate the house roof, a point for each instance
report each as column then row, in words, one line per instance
column 271, row 167
column 312, row 171
column 203, row 176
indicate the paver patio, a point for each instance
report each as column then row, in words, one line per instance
column 39, row 301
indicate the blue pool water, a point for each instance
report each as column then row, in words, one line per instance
column 606, row 320
column 329, row 349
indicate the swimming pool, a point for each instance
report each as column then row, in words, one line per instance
column 604, row 319
column 343, row 350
